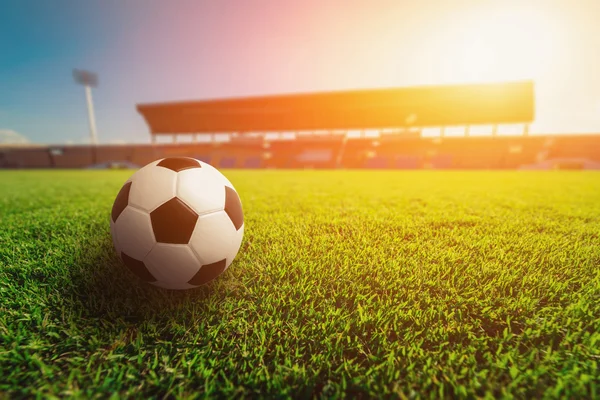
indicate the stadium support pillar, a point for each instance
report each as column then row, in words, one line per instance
column 340, row 156
column 174, row 136
column 526, row 130
column 468, row 130
column 443, row 131
column 495, row 130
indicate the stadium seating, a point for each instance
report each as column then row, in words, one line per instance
column 114, row 154
column 202, row 157
column 145, row 154
column 377, row 162
column 580, row 146
column 234, row 154
column 521, row 151
column 356, row 151
column 305, row 152
column 441, row 161
column 253, row 162
column 328, row 151
column 25, row 157
column 227, row 162
column 73, row 156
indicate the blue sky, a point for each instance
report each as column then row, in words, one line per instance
column 40, row 43
column 151, row 51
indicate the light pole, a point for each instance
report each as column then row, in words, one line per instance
column 88, row 80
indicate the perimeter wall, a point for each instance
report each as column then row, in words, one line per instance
column 333, row 151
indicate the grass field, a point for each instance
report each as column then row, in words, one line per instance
column 351, row 283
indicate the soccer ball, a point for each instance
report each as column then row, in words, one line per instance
column 177, row 223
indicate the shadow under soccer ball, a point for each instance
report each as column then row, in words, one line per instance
column 106, row 289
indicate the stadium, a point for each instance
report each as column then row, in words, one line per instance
column 393, row 241
column 311, row 131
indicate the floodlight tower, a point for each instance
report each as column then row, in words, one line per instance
column 88, row 80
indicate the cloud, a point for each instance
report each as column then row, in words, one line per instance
column 8, row 136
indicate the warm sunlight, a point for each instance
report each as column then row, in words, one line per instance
column 497, row 42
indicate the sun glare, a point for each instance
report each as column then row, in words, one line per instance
column 497, row 42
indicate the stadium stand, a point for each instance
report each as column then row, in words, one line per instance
column 398, row 114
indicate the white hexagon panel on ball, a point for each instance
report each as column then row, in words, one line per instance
column 152, row 186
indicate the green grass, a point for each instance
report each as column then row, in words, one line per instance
column 348, row 283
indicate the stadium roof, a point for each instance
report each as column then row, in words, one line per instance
column 496, row 103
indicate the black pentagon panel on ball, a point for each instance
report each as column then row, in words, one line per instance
column 179, row 163
column 208, row 272
column 138, row 267
column 173, row 222
column 121, row 201
column 233, row 207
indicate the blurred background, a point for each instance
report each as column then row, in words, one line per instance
column 195, row 53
